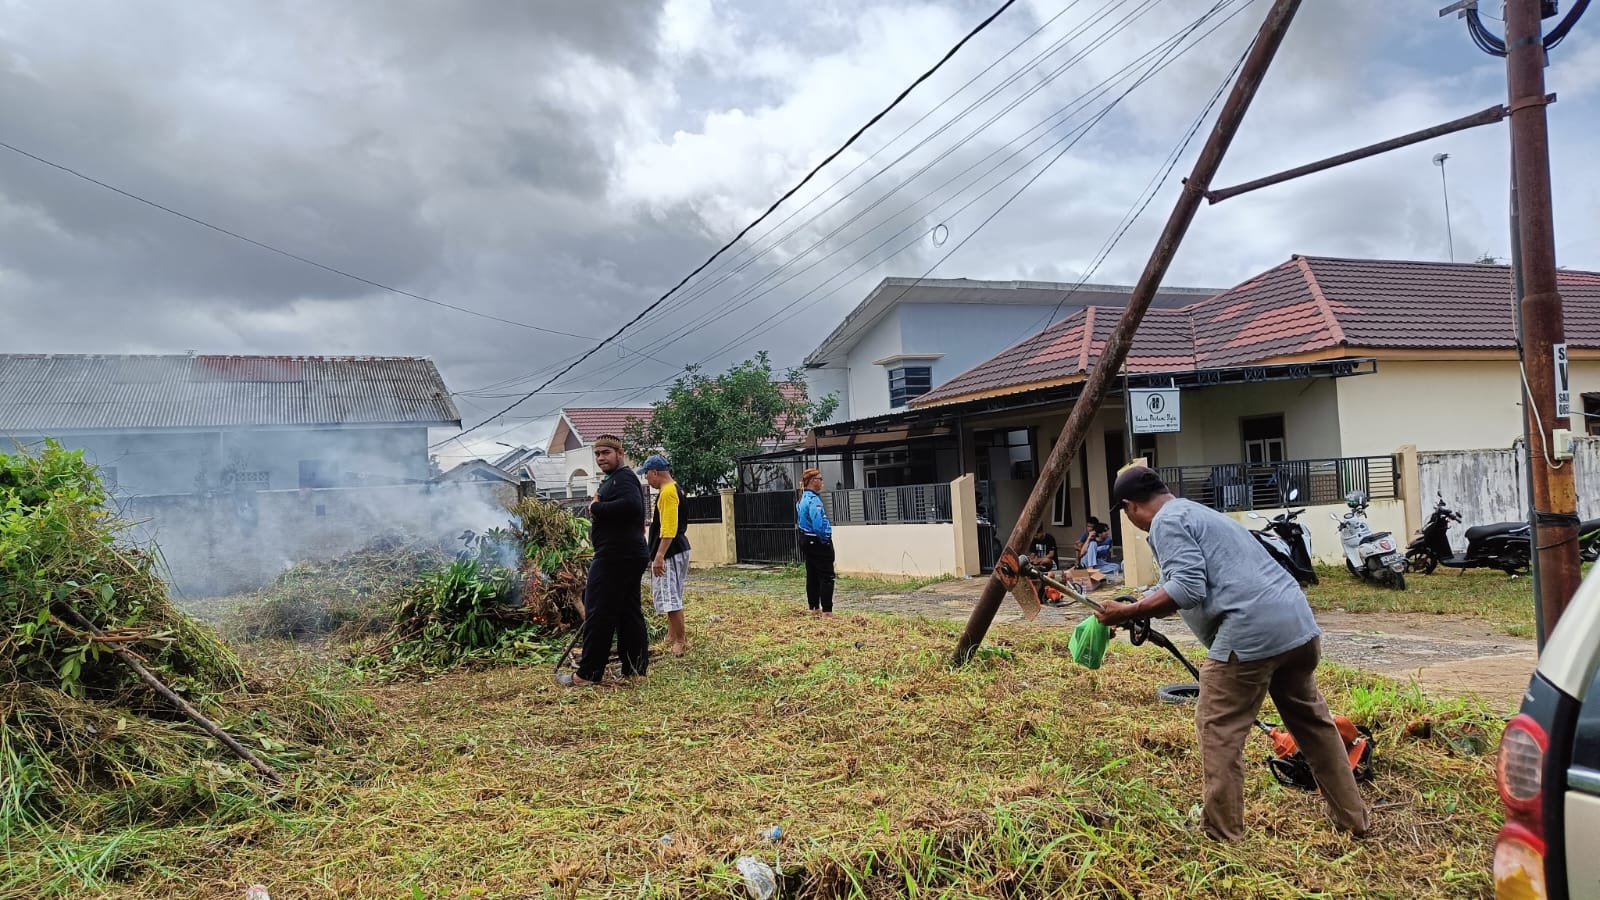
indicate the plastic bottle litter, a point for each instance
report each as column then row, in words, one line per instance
column 257, row 892
column 760, row 882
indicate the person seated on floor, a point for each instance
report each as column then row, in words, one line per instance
column 1097, row 550
column 1087, row 536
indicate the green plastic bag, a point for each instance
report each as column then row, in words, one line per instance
column 1089, row 642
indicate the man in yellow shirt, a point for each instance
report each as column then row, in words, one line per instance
column 669, row 542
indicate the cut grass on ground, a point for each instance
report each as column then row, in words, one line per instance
column 890, row 775
column 1504, row 602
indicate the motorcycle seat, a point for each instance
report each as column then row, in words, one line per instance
column 1479, row 532
column 1589, row 526
column 1376, row 535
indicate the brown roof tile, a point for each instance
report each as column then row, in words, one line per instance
column 592, row 421
column 1304, row 305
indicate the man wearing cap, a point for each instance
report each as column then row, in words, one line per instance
column 611, row 596
column 1260, row 639
column 669, row 540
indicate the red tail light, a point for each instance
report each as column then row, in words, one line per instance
column 1519, row 773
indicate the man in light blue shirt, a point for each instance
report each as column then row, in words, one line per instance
column 1260, row 638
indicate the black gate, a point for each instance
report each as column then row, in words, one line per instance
column 764, row 529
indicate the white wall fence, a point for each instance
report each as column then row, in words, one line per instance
column 1487, row 486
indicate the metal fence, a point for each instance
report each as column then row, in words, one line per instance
column 1240, row 486
column 904, row 504
column 764, row 527
column 702, row 510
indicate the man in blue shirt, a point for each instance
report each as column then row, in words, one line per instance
column 816, row 543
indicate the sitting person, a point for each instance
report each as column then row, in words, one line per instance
column 1097, row 552
column 1084, row 540
column 1042, row 553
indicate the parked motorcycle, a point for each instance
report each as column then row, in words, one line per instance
column 1506, row 546
column 1589, row 540
column 1288, row 542
column 1372, row 555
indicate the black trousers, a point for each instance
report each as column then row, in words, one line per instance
column 611, row 609
column 819, row 572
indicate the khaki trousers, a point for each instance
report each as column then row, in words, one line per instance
column 1231, row 694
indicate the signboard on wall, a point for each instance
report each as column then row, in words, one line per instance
column 1563, row 382
column 1154, row 411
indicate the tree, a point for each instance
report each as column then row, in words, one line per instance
column 705, row 424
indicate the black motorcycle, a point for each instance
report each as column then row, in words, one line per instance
column 1288, row 542
column 1589, row 540
column 1506, row 546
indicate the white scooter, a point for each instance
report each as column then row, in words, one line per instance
column 1373, row 555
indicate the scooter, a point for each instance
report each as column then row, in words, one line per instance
column 1373, row 555
column 1505, row 546
column 1589, row 540
column 1288, row 542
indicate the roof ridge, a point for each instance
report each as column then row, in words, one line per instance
column 1088, row 339
column 1335, row 330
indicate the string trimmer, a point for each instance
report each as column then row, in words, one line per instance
column 1287, row 763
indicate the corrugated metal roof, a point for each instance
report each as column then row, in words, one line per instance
column 1307, row 304
column 49, row 393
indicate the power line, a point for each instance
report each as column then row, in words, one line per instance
column 775, row 204
column 755, row 291
column 794, row 309
column 282, row 252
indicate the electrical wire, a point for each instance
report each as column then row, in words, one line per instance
column 1000, row 153
column 770, row 209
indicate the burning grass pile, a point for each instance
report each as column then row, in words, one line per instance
column 346, row 597
column 500, row 600
column 84, row 738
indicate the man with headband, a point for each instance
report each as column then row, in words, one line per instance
column 611, row 598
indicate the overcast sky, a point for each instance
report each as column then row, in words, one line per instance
column 562, row 163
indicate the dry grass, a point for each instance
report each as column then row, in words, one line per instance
column 1020, row 775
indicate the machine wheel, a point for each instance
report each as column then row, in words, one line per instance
column 1187, row 692
column 1398, row 579
column 1421, row 562
column 1351, row 566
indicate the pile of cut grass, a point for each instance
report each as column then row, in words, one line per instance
column 346, row 596
column 85, row 744
column 890, row 775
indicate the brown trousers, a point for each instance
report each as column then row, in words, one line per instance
column 1231, row 694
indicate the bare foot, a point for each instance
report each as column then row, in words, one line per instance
column 678, row 649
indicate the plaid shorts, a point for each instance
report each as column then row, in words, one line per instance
column 666, row 591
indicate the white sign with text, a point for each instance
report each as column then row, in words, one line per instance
column 1154, row 411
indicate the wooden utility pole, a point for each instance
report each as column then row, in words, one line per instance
column 1115, row 352
column 1555, row 499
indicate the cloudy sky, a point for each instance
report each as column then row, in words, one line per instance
column 556, row 165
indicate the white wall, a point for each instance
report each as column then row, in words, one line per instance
column 1211, row 416
column 869, row 384
column 907, row 550
column 1441, row 405
column 824, row 381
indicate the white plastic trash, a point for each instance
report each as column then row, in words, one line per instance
column 257, row 892
column 760, row 882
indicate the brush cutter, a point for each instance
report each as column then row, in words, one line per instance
column 1287, row 763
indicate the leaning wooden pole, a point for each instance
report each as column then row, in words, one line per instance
column 1115, row 353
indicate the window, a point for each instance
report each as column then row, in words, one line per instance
column 1061, row 514
column 908, row 383
column 318, row 473
column 1145, row 445
column 1263, row 439
column 1591, row 415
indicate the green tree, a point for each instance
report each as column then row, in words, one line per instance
column 705, row 424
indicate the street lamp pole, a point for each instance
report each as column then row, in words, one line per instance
column 1438, row 160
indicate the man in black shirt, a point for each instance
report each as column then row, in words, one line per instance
column 611, row 599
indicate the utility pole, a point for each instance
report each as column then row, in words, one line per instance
column 1115, row 353
column 1555, row 500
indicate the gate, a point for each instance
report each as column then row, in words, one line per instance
column 763, row 528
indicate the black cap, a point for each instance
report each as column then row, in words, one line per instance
column 1137, row 483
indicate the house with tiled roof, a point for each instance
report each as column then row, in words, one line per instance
column 181, row 424
column 1307, row 376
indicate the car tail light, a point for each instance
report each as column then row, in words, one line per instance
column 1519, row 774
